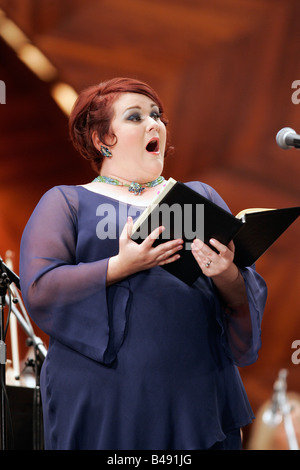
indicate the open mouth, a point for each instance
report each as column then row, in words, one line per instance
column 153, row 145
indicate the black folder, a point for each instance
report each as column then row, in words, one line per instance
column 253, row 231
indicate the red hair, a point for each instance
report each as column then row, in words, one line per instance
column 93, row 111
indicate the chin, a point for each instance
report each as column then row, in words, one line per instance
column 151, row 168
column 156, row 164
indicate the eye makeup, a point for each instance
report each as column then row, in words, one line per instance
column 135, row 114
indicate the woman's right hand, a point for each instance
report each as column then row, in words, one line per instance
column 134, row 257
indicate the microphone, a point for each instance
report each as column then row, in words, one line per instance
column 287, row 138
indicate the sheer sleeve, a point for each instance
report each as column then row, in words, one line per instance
column 241, row 327
column 68, row 300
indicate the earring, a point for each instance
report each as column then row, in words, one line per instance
column 105, row 151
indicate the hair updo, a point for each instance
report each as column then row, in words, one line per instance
column 93, row 111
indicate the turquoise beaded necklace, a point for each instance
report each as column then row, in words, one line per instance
column 135, row 188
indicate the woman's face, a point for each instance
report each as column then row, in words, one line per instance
column 138, row 154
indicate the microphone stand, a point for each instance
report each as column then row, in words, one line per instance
column 286, row 413
column 4, row 283
column 40, row 353
column 7, row 277
column 280, row 410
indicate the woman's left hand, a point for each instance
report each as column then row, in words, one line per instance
column 212, row 263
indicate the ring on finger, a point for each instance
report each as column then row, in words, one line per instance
column 208, row 263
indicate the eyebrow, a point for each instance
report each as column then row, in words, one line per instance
column 153, row 105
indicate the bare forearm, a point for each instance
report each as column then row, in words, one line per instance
column 114, row 271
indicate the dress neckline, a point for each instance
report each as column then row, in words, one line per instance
column 112, row 198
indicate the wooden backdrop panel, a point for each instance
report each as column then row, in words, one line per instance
column 225, row 72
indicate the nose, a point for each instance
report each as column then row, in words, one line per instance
column 152, row 124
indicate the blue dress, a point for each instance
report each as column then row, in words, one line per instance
column 147, row 363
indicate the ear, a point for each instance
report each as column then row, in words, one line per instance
column 96, row 141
